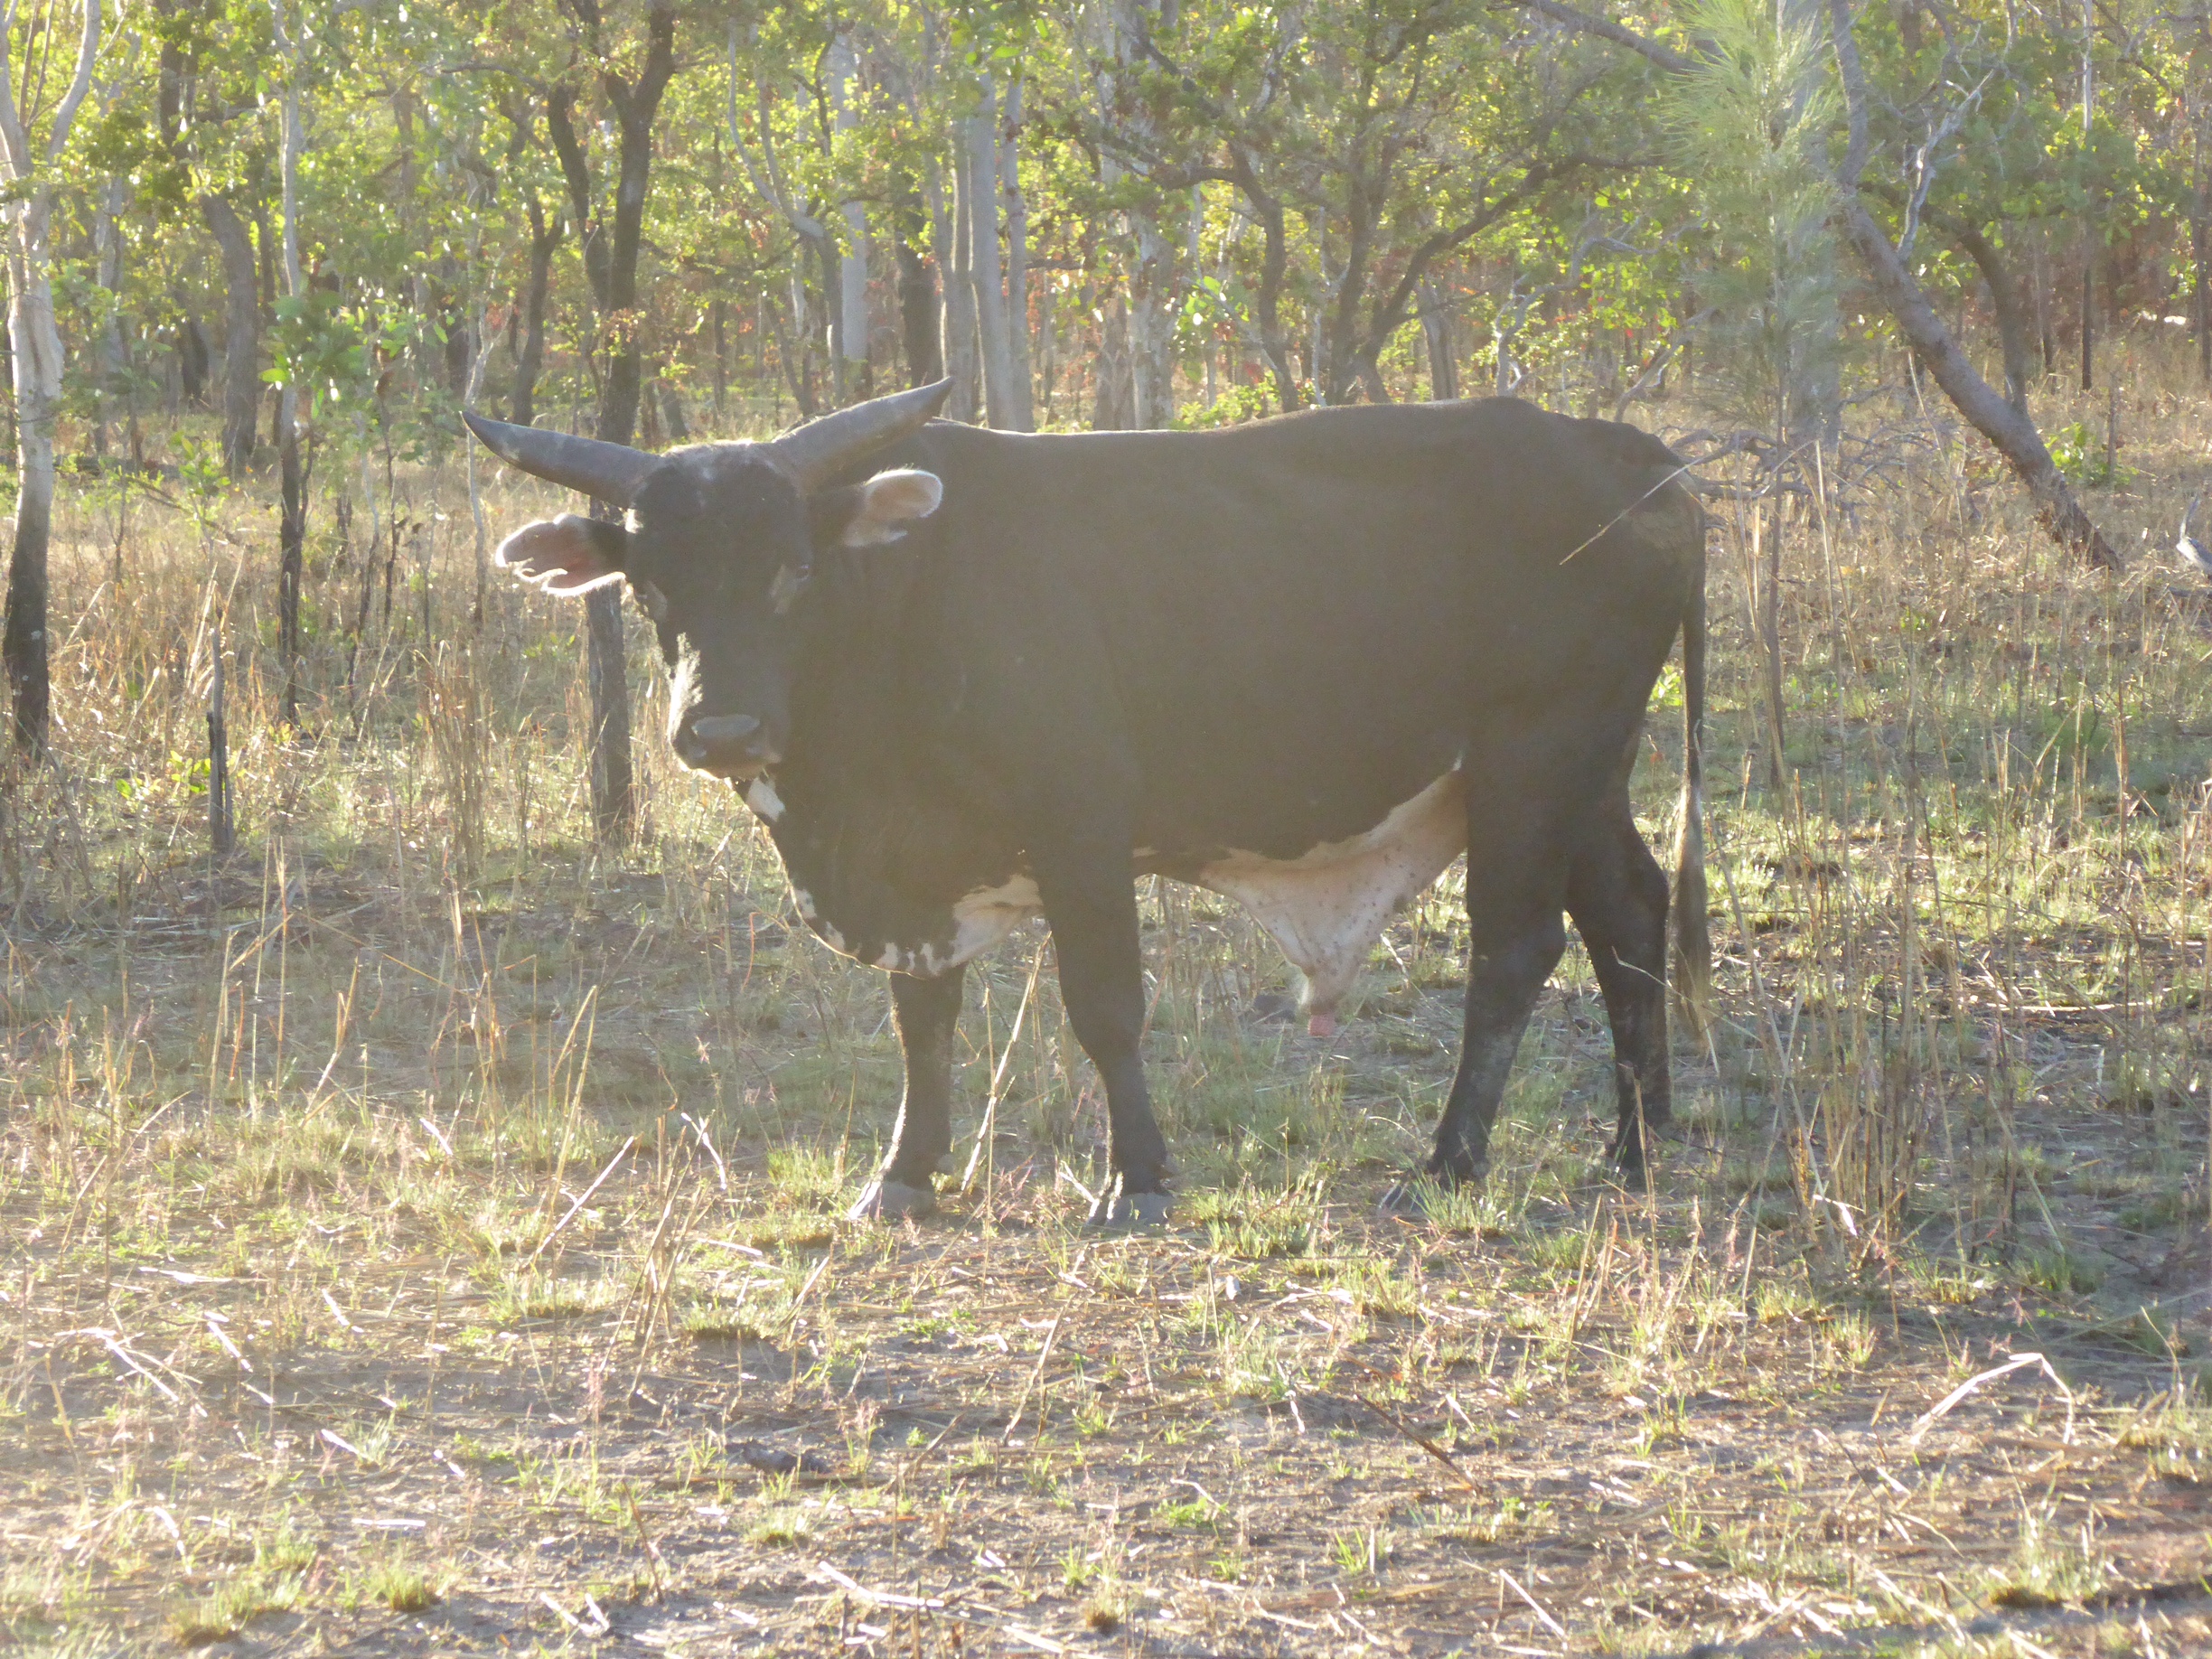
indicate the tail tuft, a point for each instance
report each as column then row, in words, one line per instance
column 1693, row 936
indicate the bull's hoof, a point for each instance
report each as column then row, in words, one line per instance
column 1321, row 1023
column 1131, row 1212
column 890, row 1200
column 1404, row 1201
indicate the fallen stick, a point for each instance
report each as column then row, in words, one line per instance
column 1535, row 1606
column 2019, row 1362
column 582, row 1199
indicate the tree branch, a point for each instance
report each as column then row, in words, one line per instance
column 767, row 179
column 2013, row 434
column 1392, row 313
column 1665, row 57
column 16, row 146
column 87, row 48
column 2005, row 298
column 2006, row 427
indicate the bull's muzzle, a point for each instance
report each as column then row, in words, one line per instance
column 724, row 745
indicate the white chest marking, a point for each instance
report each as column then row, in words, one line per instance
column 1326, row 907
column 760, row 796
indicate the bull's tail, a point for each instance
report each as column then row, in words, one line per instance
column 1693, row 937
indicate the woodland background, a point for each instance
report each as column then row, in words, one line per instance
column 335, row 225
column 425, row 1127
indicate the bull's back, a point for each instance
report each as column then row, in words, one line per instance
column 1299, row 621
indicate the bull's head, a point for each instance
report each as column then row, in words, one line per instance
column 719, row 543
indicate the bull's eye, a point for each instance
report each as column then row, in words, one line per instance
column 783, row 592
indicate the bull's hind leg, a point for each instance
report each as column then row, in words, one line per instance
column 1516, row 892
column 1617, row 895
column 927, row 1012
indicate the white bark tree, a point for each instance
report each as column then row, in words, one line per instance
column 28, row 217
column 1152, row 275
column 768, row 180
column 1023, row 406
column 978, row 138
column 849, row 347
column 292, row 534
column 107, row 276
column 951, row 241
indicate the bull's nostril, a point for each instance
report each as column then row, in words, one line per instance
column 722, row 732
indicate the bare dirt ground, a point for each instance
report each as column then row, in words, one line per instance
column 357, row 1380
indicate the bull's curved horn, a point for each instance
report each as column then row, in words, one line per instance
column 819, row 449
column 603, row 471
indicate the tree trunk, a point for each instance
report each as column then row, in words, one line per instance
column 605, row 677
column 1436, row 336
column 2043, row 305
column 2200, row 211
column 949, row 228
column 107, row 273
column 2088, row 313
column 292, row 530
column 192, row 361
column 1017, row 260
column 979, row 188
column 1151, row 276
column 797, row 348
column 1814, row 405
column 1150, row 343
column 2008, row 304
column 222, row 827
column 851, row 344
column 917, row 286
column 674, row 426
column 36, row 366
column 292, row 548
column 717, row 322
column 1767, row 579
column 460, row 331
column 242, row 330
column 37, row 355
column 1274, row 262
column 1113, row 396
column 529, row 362
column 610, row 262
column 2013, row 433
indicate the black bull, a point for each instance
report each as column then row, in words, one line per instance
column 968, row 676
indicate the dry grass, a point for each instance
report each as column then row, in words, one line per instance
column 423, row 1236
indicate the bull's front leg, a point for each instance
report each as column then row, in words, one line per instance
column 1090, row 902
column 927, row 1013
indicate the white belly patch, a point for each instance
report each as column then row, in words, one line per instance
column 989, row 915
column 1325, row 908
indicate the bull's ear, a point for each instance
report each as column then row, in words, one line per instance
column 566, row 555
column 882, row 507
